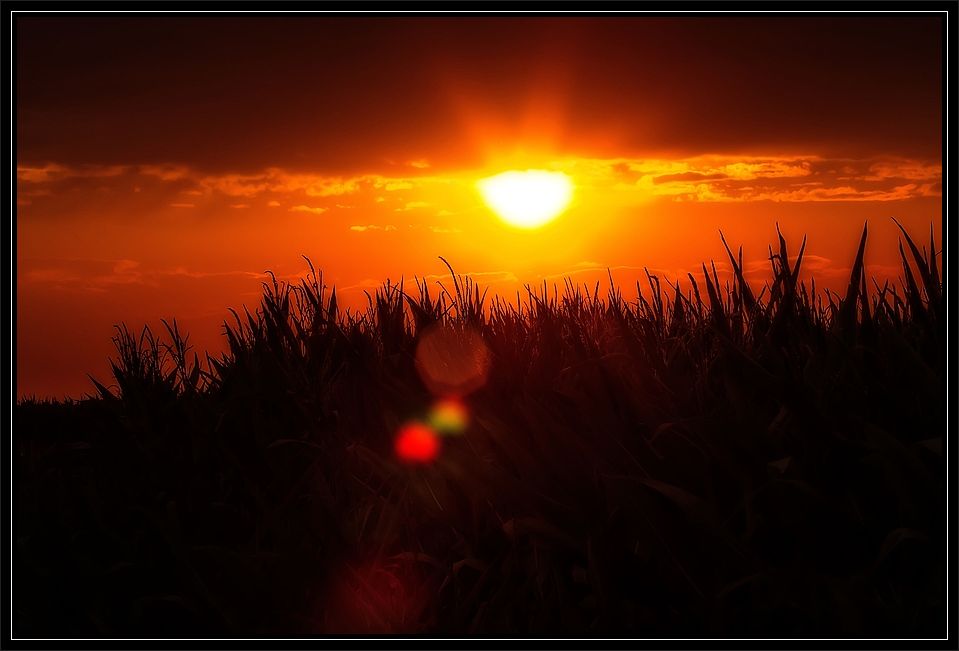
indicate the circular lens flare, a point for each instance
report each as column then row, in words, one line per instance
column 452, row 359
column 449, row 416
column 527, row 199
column 417, row 443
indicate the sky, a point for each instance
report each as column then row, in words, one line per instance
column 164, row 164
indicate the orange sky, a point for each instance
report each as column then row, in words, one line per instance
column 164, row 164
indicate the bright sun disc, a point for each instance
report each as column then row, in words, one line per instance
column 527, row 199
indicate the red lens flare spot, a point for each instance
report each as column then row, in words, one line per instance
column 452, row 359
column 417, row 443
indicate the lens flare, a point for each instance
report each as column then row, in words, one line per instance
column 449, row 416
column 452, row 359
column 417, row 443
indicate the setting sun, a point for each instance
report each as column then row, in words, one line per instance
column 527, row 199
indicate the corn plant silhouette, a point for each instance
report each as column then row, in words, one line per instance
column 707, row 460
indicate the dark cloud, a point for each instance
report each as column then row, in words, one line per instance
column 688, row 176
column 355, row 94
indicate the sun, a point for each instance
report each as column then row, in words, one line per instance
column 527, row 199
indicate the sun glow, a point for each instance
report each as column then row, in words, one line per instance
column 527, row 199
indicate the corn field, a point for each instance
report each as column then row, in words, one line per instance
column 702, row 460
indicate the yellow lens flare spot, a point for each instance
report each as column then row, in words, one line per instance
column 527, row 199
column 448, row 417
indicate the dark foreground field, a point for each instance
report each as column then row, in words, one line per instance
column 708, row 462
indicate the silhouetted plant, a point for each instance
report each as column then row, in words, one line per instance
column 707, row 460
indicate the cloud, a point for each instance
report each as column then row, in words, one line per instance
column 103, row 275
column 271, row 180
column 182, row 205
column 413, row 205
column 54, row 172
column 486, row 276
column 189, row 273
column 767, row 169
column 688, row 176
column 779, row 179
column 366, row 283
column 372, row 227
column 165, row 172
column 332, row 187
column 584, row 267
column 816, row 265
column 420, row 163
column 274, row 204
column 83, row 274
column 704, row 178
column 904, row 169
column 844, row 193
column 274, row 180
column 239, row 206
column 309, row 209
column 236, row 185
column 713, row 167
column 42, row 174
